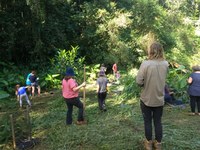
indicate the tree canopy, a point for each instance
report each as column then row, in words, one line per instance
column 41, row 35
column 32, row 31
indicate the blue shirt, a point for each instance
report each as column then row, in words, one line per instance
column 21, row 90
column 194, row 87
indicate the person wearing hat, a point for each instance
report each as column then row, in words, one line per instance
column 194, row 89
column 103, row 68
column 70, row 92
column 102, row 90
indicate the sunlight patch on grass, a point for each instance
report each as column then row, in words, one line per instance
column 90, row 106
column 38, row 114
column 40, row 133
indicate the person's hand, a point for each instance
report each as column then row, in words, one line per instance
column 83, row 84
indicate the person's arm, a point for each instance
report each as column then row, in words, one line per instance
column 140, row 76
column 78, row 87
column 114, row 67
column 189, row 80
column 17, row 97
column 16, row 93
column 27, row 87
column 97, row 88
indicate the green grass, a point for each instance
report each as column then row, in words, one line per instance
column 121, row 127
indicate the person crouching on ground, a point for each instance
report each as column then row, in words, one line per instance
column 102, row 90
column 21, row 93
column 70, row 92
column 152, row 78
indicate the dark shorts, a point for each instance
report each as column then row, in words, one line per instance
column 34, row 84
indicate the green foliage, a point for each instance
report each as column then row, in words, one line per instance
column 177, row 80
column 51, row 81
column 5, row 131
column 105, row 32
column 131, row 89
column 5, row 127
column 117, row 29
column 9, row 77
column 3, row 94
column 59, row 63
column 92, row 72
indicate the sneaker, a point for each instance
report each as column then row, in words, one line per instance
column 81, row 122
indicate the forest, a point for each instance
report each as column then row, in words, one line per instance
column 40, row 34
column 49, row 35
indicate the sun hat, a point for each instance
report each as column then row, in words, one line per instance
column 69, row 72
column 101, row 73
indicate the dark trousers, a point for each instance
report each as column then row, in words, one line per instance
column 74, row 102
column 168, row 99
column 193, row 101
column 155, row 114
column 101, row 100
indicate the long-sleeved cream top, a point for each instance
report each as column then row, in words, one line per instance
column 152, row 77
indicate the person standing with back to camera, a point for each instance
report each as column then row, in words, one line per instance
column 151, row 77
column 194, row 89
column 102, row 82
column 70, row 92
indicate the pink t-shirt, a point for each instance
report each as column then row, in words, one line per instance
column 67, row 88
column 114, row 68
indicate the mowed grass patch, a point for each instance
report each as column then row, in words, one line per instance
column 113, row 129
column 120, row 127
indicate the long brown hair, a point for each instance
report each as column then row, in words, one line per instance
column 156, row 51
column 17, row 87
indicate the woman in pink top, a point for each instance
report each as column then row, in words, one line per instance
column 70, row 90
column 114, row 68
